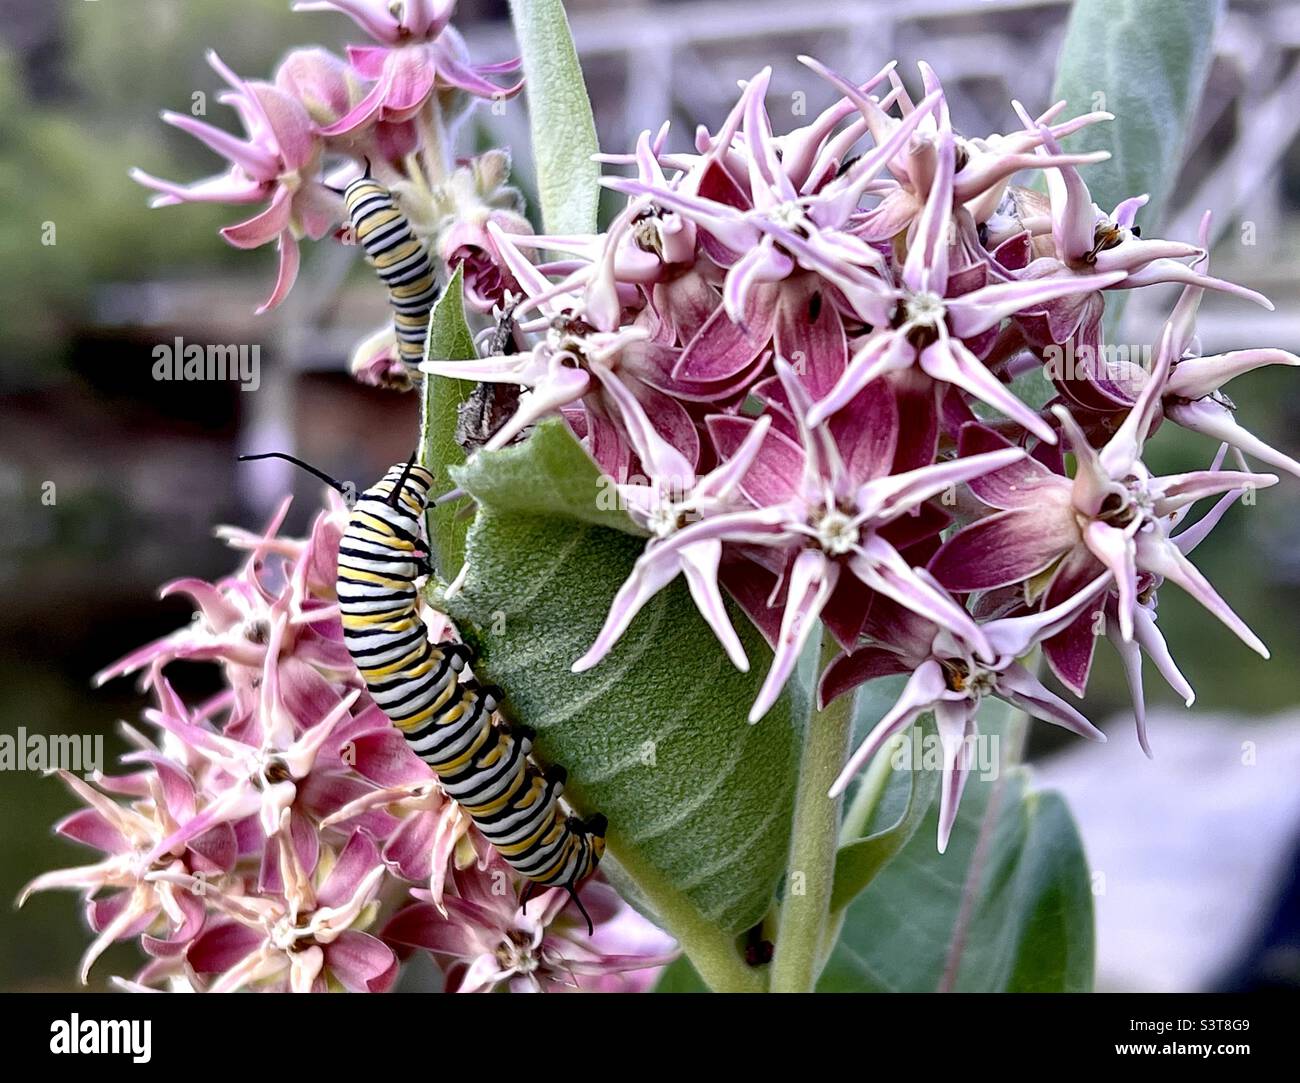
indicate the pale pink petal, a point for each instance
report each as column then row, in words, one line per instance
column 925, row 687
column 812, row 579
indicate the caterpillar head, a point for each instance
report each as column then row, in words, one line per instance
column 595, row 828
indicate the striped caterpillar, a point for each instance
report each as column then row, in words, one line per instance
column 482, row 765
column 398, row 257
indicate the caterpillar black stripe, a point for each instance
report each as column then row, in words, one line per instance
column 482, row 764
column 400, row 259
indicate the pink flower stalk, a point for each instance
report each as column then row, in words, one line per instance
column 278, row 161
column 252, row 844
column 894, row 291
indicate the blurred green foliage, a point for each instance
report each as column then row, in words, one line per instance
column 64, row 162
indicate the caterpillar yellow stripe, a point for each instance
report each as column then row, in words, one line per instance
column 399, row 258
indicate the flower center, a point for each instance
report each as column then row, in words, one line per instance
column 1105, row 235
column 925, row 309
column 274, row 770
column 790, row 215
column 566, row 338
column 288, row 936
column 836, row 532
column 515, row 953
column 647, row 234
column 960, row 677
column 667, row 518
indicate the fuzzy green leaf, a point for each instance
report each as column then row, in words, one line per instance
column 699, row 802
column 1146, row 62
column 449, row 339
column 560, row 118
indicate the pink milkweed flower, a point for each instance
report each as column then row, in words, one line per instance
column 278, row 161
column 1092, row 245
column 468, row 244
column 321, row 82
column 327, row 87
column 581, row 355
column 983, row 166
column 794, row 273
column 137, row 904
column 1112, row 515
column 476, row 194
column 647, row 248
column 947, row 679
column 276, row 772
column 486, row 940
column 434, row 834
column 389, row 22
column 376, row 362
column 928, row 326
column 279, row 610
column 1147, row 638
column 304, row 938
column 419, row 54
column 1192, row 395
column 675, row 497
column 822, row 503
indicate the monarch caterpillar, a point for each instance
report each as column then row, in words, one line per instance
column 399, row 257
column 483, row 766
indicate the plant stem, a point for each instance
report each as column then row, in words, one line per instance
column 870, row 790
column 713, row 953
column 856, row 818
column 811, row 872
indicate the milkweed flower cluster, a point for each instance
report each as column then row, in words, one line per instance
column 826, row 373
column 802, row 361
column 282, row 836
column 389, row 107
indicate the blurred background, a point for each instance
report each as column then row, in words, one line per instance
column 1195, row 853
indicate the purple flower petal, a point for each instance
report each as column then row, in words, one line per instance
column 1006, row 547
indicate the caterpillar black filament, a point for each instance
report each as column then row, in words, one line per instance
column 482, row 764
column 400, row 259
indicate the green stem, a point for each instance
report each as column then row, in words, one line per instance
column 870, row 790
column 810, row 876
column 856, row 818
column 713, row 953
